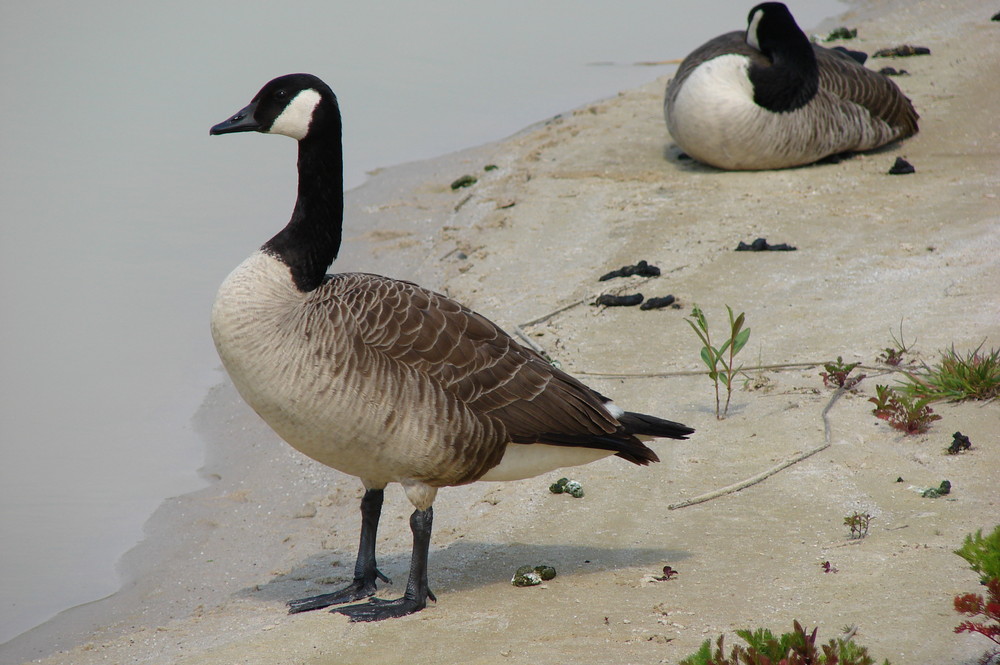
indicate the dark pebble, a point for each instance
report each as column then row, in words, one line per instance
column 901, row 167
column 996, row 17
column 658, row 303
column 902, row 51
column 892, row 71
column 609, row 300
column 761, row 245
column 641, row 268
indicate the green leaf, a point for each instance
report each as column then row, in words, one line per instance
column 741, row 340
column 706, row 355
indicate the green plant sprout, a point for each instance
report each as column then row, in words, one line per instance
column 837, row 374
column 893, row 355
column 720, row 360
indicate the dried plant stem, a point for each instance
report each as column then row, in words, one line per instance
column 743, row 484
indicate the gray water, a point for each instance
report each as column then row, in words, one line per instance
column 119, row 216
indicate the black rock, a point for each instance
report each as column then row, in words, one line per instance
column 901, row 167
column 658, row 303
column 761, row 245
column 609, row 300
column 641, row 268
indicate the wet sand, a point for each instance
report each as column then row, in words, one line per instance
column 572, row 198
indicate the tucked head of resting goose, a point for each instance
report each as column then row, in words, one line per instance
column 384, row 380
column 767, row 98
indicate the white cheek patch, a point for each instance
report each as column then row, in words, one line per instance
column 752, row 38
column 294, row 120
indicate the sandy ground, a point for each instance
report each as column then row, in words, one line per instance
column 572, row 198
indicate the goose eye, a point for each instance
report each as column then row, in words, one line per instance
column 281, row 94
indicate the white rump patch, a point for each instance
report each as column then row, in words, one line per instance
column 294, row 120
column 615, row 410
column 752, row 38
column 527, row 460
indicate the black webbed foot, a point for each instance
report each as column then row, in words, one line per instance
column 378, row 609
column 359, row 589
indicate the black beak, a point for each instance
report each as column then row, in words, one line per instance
column 243, row 121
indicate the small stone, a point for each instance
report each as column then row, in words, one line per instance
column 901, row 167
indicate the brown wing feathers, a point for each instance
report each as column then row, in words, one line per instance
column 853, row 82
column 495, row 377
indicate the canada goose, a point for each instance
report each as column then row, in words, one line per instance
column 768, row 99
column 382, row 379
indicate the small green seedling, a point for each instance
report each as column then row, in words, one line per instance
column 720, row 360
column 858, row 524
column 893, row 355
column 837, row 374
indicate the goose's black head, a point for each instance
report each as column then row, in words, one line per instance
column 792, row 79
column 770, row 27
column 296, row 105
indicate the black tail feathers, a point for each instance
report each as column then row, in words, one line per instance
column 642, row 424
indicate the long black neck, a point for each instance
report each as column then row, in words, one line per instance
column 311, row 240
column 792, row 78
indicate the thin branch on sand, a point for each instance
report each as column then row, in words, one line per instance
column 743, row 484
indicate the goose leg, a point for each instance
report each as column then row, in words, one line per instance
column 417, row 591
column 365, row 570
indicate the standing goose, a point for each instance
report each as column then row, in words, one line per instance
column 769, row 99
column 382, row 379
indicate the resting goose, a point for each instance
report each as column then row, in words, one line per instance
column 382, row 379
column 768, row 99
